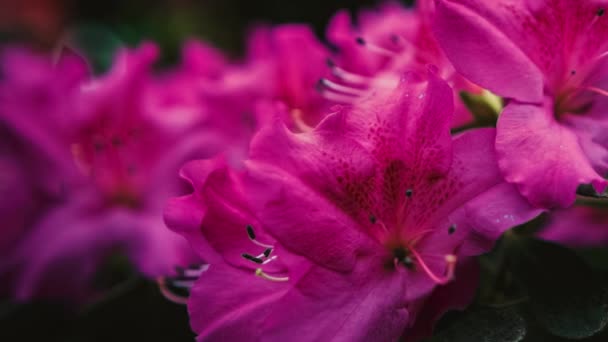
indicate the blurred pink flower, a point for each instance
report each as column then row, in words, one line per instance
column 549, row 59
column 387, row 41
column 357, row 224
column 117, row 164
column 578, row 226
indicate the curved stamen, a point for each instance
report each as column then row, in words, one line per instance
column 597, row 90
column 262, row 274
column 251, row 235
column 347, row 76
column 166, row 292
column 336, row 97
column 271, row 259
column 450, row 259
column 340, row 88
column 296, row 115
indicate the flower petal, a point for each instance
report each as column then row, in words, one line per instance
column 484, row 54
column 543, row 157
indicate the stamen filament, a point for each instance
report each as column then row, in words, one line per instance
column 166, row 292
column 348, row 76
column 252, row 237
column 340, row 88
column 450, row 259
column 271, row 259
column 262, row 274
column 335, row 97
column 597, row 90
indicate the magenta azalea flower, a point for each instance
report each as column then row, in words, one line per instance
column 387, row 41
column 567, row 226
column 548, row 59
column 353, row 229
column 122, row 165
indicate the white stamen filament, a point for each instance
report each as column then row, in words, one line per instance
column 335, row 97
column 350, row 77
column 341, row 88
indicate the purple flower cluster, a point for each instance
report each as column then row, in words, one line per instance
column 324, row 188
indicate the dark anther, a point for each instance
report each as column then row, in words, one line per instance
column 250, row 232
column 572, row 72
column 252, row 258
column 600, row 12
column 267, row 252
column 408, row 262
column 360, row 41
column 372, row 218
column 409, row 192
column 452, row 229
column 330, row 63
column 320, row 85
column 394, row 38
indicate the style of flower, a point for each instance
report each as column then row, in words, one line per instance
column 548, row 59
column 353, row 229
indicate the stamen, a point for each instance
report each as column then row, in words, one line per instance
column 340, row 88
column 296, row 115
column 452, row 229
column 252, row 258
column 347, row 76
column 598, row 14
column 450, row 259
column 273, row 258
column 185, row 284
column 336, row 97
column 262, row 274
column 372, row 219
column 409, row 193
column 166, row 292
column 597, row 90
column 267, row 252
column 251, row 235
column 376, row 48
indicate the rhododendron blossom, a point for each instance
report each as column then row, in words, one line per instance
column 118, row 166
column 387, row 41
column 350, row 231
column 548, row 58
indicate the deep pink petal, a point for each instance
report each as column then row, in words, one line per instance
column 578, row 226
column 542, row 156
column 332, row 306
column 485, row 55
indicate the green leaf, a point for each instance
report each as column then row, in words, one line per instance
column 566, row 296
column 484, row 325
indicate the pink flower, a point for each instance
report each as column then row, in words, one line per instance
column 387, row 41
column 548, row 59
column 353, row 229
column 296, row 60
column 119, row 164
column 579, row 226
